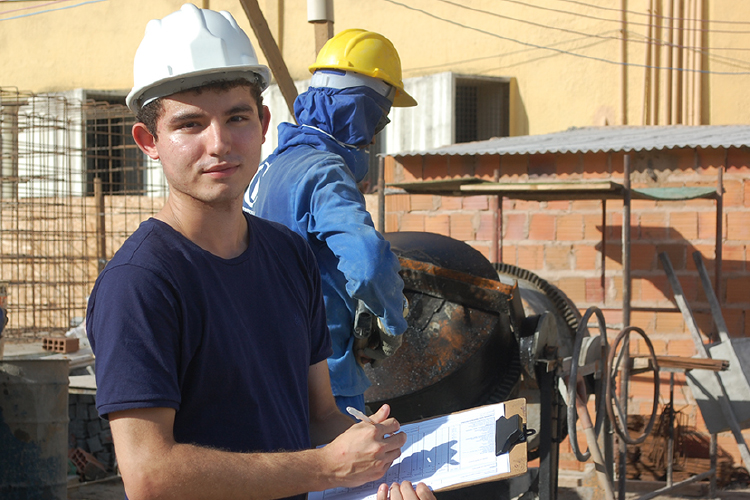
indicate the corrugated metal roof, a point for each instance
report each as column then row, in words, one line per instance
column 602, row 139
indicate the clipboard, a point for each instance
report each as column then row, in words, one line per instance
column 518, row 454
column 452, row 451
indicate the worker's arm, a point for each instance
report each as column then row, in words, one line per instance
column 152, row 464
column 341, row 221
column 326, row 420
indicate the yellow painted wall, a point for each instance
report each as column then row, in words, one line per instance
column 74, row 44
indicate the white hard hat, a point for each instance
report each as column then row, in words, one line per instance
column 189, row 48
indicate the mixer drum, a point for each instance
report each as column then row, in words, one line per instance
column 453, row 356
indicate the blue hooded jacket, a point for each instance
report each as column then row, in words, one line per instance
column 309, row 184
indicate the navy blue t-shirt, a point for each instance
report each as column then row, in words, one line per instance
column 227, row 343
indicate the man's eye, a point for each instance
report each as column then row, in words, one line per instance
column 238, row 119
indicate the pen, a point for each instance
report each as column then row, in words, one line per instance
column 359, row 415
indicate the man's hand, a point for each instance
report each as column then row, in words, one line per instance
column 405, row 491
column 365, row 451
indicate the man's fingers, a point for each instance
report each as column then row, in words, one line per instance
column 381, row 415
column 395, row 441
column 396, row 492
column 424, row 492
column 382, row 492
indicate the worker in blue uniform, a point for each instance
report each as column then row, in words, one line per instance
column 309, row 184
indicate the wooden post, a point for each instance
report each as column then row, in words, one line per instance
column 323, row 33
column 271, row 50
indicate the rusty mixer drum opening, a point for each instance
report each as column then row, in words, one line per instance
column 454, row 356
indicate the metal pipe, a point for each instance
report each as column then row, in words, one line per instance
column 626, row 285
column 668, row 119
column 656, row 59
column 719, row 250
column 712, row 449
column 626, row 292
column 698, row 63
column 624, row 65
column 670, row 438
column 495, row 202
column 604, row 251
column 679, row 81
column 646, row 112
column 687, row 112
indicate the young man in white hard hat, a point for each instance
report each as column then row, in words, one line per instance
column 208, row 324
column 309, row 184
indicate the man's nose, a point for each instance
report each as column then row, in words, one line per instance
column 218, row 139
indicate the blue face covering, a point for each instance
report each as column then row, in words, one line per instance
column 352, row 116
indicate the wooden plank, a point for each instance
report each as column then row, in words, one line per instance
column 548, row 191
column 271, row 51
column 684, row 363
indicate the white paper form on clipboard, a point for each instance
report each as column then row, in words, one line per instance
column 441, row 452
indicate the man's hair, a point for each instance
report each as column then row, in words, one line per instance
column 150, row 113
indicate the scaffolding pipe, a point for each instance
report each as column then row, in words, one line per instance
column 656, row 69
column 668, row 118
column 698, row 64
column 624, row 65
column 646, row 112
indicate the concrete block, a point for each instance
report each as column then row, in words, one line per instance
column 82, row 411
column 94, row 444
column 77, row 428
column 93, row 428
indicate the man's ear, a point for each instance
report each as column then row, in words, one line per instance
column 145, row 140
column 266, row 122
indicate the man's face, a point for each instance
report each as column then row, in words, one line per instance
column 209, row 144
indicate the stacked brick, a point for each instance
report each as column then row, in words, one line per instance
column 561, row 241
column 90, row 438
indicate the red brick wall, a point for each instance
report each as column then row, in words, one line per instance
column 561, row 240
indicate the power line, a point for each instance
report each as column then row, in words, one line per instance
column 560, row 51
column 30, row 7
column 596, row 18
column 51, row 10
column 709, row 21
column 504, row 54
column 641, row 38
column 645, row 39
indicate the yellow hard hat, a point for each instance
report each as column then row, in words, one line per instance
column 367, row 53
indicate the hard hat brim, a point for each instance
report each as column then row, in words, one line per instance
column 403, row 100
column 175, row 84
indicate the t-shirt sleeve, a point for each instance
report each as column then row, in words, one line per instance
column 132, row 320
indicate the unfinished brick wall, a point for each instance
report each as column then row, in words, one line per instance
column 561, row 241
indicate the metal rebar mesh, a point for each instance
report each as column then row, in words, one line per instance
column 73, row 186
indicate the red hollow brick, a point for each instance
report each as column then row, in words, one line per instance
column 542, row 227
